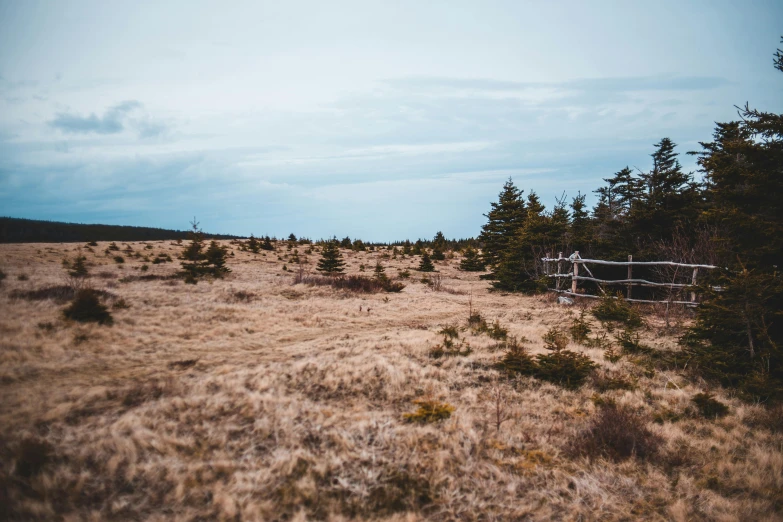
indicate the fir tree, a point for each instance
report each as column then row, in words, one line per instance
column 437, row 254
column 425, row 265
column 193, row 257
column 253, row 244
column 505, row 219
column 216, row 260
column 267, row 244
column 738, row 336
column 346, row 242
column 331, row 261
column 471, row 261
column 79, row 267
column 580, row 232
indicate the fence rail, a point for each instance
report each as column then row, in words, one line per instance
column 576, row 261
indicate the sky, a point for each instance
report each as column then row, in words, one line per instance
column 376, row 120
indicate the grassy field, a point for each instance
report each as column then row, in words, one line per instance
column 252, row 398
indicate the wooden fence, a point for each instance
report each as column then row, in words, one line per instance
column 576, row 261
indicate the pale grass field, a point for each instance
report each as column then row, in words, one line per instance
column 293, row 409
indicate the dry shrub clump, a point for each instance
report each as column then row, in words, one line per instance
column 351, row 283
column 86, row 307
column 708, row 406
column 616, row 433
column 617, row 310
column 57, row 293
column 429, row 411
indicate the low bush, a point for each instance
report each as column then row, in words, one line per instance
column 708, row 406
column 630, row 343
column 565, row 368
column 87, row 307
column 429, row 411
column 617, row 310
column 555, row 339
column 32, row 456
column 57, row 293
column 516, row 360
column 617, row 433
column 119, row 259
column 606, row 382
column 352, row 283
column 580, row 328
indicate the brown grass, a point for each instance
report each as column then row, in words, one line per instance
column 289, row 405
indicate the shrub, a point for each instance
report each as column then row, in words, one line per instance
column 516, row 361
column 22, row 277
column 555, row 339
column 617, row 310
column 471, row 261
column 113, row 247
column 352, row 283
column 426, row 263
column 450, row 331
column 708, row 406
column 79, row 267
column 565, row 368
column 32, row 455
column 57, row 293
column 580, row 328
column 429, row 411
column 92, row 244
column 605, row 382
column 617, row 433
column 331, row 261
column 496, row 331
column 86, row 307
column 630, row 343
column 2, row 276
column 119, row 259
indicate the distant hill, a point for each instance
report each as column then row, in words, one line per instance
column 15, row 230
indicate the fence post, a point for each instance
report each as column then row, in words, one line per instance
column 693, row 282
column 546, row 264
column 559, row 268
column 576, row 272
column 630, row 275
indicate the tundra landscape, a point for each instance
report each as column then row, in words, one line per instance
column 556, row 294
column 254, row 397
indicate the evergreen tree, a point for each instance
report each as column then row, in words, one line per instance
column 380, row 272
column 426, row 264
column 669, row 198
column 505, row 219
column 738, row 336
column 253, row 244
column 216, row 260
column 580, row 233
column 197, row 263
column 346, row 242
column 439, row 241
column 519, row 269
column 267, row 244
column 79, row 267
column 471, row 261
column 437, row 254
column 193, row 257
column 331, row 261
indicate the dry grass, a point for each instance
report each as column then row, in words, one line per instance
column 251, row 398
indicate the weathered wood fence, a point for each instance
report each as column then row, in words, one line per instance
column 575, row 262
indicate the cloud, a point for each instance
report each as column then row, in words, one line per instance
column 112, row 121
column 617, row 84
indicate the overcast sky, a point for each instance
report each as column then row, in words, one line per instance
column 379, row 120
